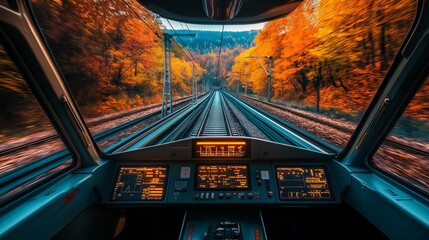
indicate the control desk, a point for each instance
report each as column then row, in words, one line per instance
column 222, row 171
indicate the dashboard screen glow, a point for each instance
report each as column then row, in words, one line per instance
column 233, row 149
column 140, row 183
column 222, row 177
column 303, row 183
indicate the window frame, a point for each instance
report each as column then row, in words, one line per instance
column 24, row 174
column 370, row 163
column 17, row 46
column 404, row 78
column 384, row 85
column 74, row 112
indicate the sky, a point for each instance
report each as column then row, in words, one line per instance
column 228, row 28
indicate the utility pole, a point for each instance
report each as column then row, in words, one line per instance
column 268, row 72
column 194, row 84
column 166, row 90
column 167, row 97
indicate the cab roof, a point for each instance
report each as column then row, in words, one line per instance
column 221, row 11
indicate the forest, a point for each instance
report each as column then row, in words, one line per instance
column 329, row 55
column 111, row 53
column 205, row 47
column 206, row 42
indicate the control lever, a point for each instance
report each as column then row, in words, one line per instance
column 223, row 230
column 228, row 224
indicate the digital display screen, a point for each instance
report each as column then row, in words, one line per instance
column 303, row 183
column 222, row 177
column 140, row 183
column 225, row 149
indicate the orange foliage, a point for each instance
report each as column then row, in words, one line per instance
column 111, row 53
column 341, row 50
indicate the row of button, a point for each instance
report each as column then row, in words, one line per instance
column 241, row 195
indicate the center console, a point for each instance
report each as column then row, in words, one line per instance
column 223, row 184
column 228, row 223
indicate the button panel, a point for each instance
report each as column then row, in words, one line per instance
column 226, row 196
column 260, row 182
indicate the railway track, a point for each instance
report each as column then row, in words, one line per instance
column 308, row 116
column 216, row 121
column 168, row 129
column 213, row 117
column 53, row 136
column 278, row 130
column 57, row 158
column 210, row 116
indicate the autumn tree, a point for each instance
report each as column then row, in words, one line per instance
column 110, row 53
column 329, row 53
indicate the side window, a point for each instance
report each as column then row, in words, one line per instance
column 405, row 152
column 30, row 148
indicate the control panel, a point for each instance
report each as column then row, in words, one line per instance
column 307, row 183
column 221, row 148
column 140, row 183
column 222, row 177
column 188, row 182
column 222, row 183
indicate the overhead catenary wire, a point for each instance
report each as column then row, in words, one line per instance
column 157, row 34
column 191, row 58
column 220, row 50
column 181, row 40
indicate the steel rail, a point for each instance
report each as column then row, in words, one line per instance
column 388, row 141
column 244, row 130
column 225, row 115
column 205, row 117
column 278, row 130
column 126, row 125
column 216, row 122
column 195, row 122
column 156, row 131
column 272, row 134
column 184, row 126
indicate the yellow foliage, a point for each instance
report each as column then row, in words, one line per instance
column 346, row 47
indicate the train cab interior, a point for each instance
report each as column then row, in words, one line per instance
column 214, row 119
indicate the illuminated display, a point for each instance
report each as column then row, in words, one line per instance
column 234, row 149
column 303, row 183
column 222, row 177
column 140, row 183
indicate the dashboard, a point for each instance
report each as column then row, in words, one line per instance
column 223, row 171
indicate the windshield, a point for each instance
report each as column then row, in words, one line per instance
column 317, row 68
